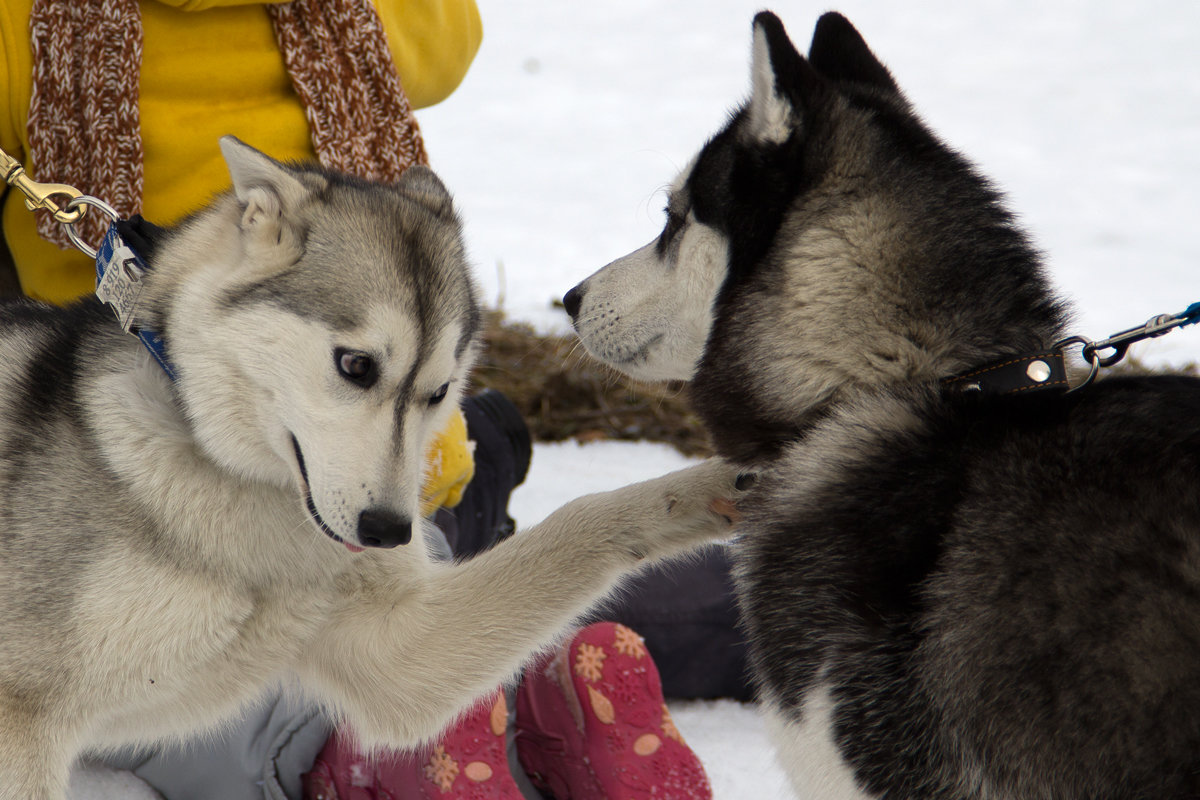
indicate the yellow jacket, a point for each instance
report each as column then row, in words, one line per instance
column 211, row 67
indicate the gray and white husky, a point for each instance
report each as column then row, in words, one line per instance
column 171, row 549
column 948, row 594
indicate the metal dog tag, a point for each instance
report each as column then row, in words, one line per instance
column 119, row 272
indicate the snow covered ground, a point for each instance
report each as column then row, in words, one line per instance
column 576, row 115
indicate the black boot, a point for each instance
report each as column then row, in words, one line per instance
column 503, row 450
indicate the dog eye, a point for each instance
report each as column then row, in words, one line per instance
column 675, row 222
column 439, row 395
column 356, row 367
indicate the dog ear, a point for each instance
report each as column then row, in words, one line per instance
column 422, row 184
column 264, row 186
column 270, row 193
column 839, row 52
column 783, row 83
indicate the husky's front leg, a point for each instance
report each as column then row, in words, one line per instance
column 402, row 662
column 32, row 766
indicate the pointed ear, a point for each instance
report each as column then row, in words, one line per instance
column 422, row 184
column 271, row 194
column 839, row 52
column 266, row 187
column 783, row 83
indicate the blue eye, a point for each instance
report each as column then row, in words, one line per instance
column 356, row 366
column 439, row 395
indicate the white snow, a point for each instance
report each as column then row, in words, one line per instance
column 576, row 115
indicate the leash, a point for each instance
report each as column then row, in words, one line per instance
column 119, row 268
column 1046, row 371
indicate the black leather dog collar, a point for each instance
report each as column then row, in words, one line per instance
column 1014, row 375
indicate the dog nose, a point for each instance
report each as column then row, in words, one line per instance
column 573, row 300
column 379, row 527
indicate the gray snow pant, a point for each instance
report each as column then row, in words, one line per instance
column 261, row 757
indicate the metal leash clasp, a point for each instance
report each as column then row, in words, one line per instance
column 38, row 195
column 1119, row 342
column 1155, row 326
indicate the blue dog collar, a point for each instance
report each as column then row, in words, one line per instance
column 119, row 273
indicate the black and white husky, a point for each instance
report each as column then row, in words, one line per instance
column 949, row 594
column 171, row 549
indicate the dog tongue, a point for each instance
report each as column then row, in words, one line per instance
column 353, row 548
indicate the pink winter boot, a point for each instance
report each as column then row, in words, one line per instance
column 592, row 724
column 468, row 762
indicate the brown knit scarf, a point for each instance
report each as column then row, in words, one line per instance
column 84, row 127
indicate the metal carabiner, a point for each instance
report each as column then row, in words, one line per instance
column 37, row 195
column 1119, row 342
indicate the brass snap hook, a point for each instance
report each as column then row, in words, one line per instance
column 38, row 195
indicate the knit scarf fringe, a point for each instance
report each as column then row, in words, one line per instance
column 84, row 126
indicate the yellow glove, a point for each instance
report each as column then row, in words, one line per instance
column 449, row 466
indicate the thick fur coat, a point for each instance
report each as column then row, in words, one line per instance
column 947, row 596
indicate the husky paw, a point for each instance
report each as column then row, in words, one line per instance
column 684, row 509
